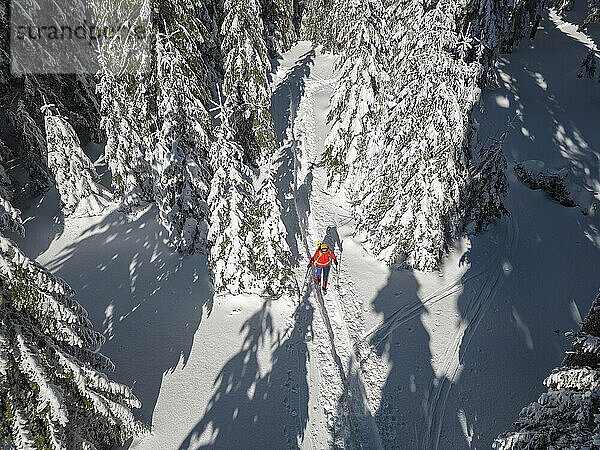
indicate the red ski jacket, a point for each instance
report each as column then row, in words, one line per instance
column 323, row 259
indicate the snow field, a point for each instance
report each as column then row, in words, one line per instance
column 389, row 358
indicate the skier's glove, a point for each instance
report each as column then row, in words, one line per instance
column 310, row 264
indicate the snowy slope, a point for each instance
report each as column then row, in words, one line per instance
column 466, row 349
column 207, row 370
column 388, row 357
column 450, row 358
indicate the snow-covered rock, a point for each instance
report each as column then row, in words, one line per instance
column 560, row 184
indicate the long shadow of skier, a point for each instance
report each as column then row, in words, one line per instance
column 254, row 408
column 332, row 239
column 401, row 416
column 284, row 105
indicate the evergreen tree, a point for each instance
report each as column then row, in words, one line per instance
column 588, row 66
column 248, row 251
column 34, row 146
column 232, row 228
column 401, row 122
column 593, row 13
column 52, row 391
column 355, row 100
column 483, row 31
column 280, row 29
column 126, row 122
column 273, row 257
column 180, row 158
column 560, row 5
column 22, row 96
column 568, row 414
column 258, row 258
column 487, row 187
column 523, row 19
column 75, row 175
column 408, row 193
column 245, row 85
column 321, row 21
column 127, row 100
column 6, row 188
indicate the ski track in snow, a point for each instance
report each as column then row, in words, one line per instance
column 341, row 386
column 493, row 276
column 489, row 277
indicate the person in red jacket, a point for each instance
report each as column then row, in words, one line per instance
column 322, row 261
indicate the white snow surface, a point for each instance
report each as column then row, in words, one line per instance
column 431, row 360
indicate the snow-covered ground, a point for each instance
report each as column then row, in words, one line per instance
column 389, row 357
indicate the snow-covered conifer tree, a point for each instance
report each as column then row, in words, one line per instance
column 593, row 13
column 567, row 415
column 231, row 207
column 523, row 19
column 278, row 18
column 125, row 89
column 125, row 122
column 180, row 156
column 5, row 181
column 74, row 173
column 34, row 146
column 273, row 257
column 245, row 85
column 588, row 65
column 355, row 100
column 405, row 136
column 321, row 21
column 487, row 187
column 408, row 193
column 52, row 391
column 483, row 30
column 22, row 96
column 258, row 251
column 248, row 251
column 560, row 5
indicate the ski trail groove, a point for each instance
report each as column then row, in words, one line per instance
column 477, row 307
column 307, row 248
column 353, row 388
column 304, row 239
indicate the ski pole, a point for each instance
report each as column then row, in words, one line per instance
column 305, row 277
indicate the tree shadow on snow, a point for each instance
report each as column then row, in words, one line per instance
column 148, row 299
column 531, row 275
column 284, row 105
column 43, row 222
column 402, row 340
column 516, row 307
column 43, row 217
column 554, row 111
column 257, row 408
